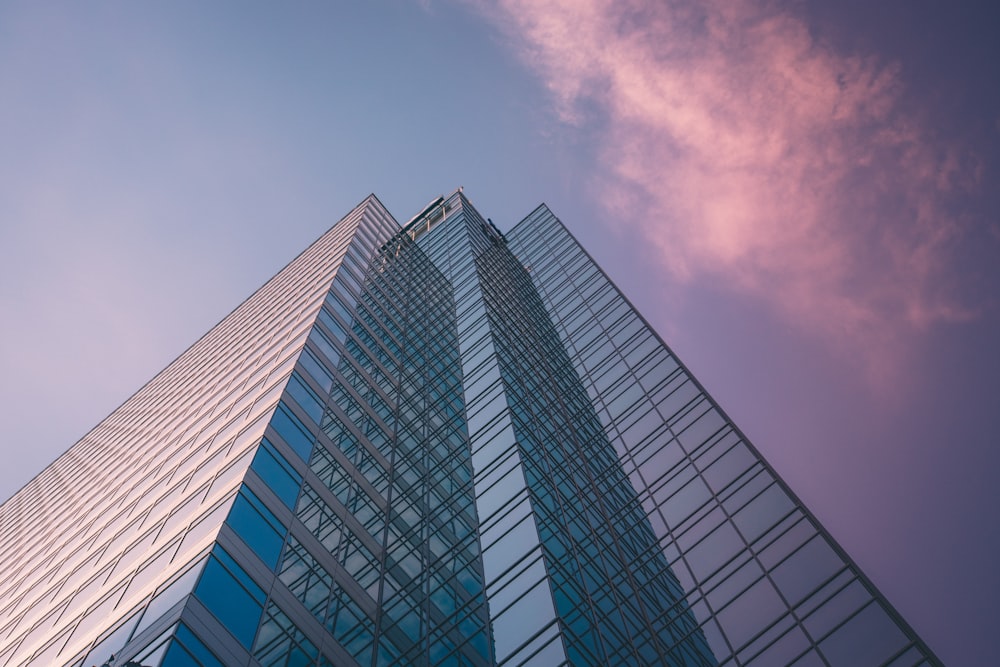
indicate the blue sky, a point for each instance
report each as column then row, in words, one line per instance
column 801, row 198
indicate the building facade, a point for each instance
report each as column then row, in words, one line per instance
column 429, row 444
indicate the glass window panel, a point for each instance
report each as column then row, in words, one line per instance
column 183, row 514
column 754, row 609
column 257, row 526
column 208, row 525
column 292, row 431
column 154, row 651
column 227, row 478
column 46, row 656
column 184, row 649
column 277, row 473
column 316, row 370
column 107, row 647
column 806, row 569
column 763, row 512
column 170, row 595
column 335, row 304
column 228, row 597
column 175, row 655
column 193, row 644
column 841, row 605
column 869, row 638
column 331, row 324
column 325, row 347
column 151, row 570
column 305, row 397
column 97, row 615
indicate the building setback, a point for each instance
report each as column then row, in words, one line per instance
column 429, row 445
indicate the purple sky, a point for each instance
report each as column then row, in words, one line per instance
column 801, row 196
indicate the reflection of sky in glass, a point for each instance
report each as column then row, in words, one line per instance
column 760, row 576
column 537, row 533
column 453, row 424
column 593, row 530
column 158, row 162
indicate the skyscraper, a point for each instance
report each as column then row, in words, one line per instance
column 429, row 444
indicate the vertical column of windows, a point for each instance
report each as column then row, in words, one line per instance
column 213, row 412
column 732, row 532
column 521, row 613
column 431, row 598
column 387, row 562
column 295, row 426
column 578, row 491
column 279, row 640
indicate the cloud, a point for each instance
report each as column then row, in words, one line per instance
column 755, row 156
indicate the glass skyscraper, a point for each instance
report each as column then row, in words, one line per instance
column 429, row 444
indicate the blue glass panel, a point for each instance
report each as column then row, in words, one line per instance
column 112, row 643
column 334, row 304
column 224, row 591
column 331, row 324
column 326, row 348
column 258, row 527
column 316, row 369
column 292, row 431
column 305, row 397
column 279, row 475
column 237, row 571
column 196, row 647
column 177, row 656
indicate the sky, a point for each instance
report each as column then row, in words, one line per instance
column 800, row 196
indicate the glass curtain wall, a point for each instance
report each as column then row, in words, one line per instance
column 429, row 445
column 766, row 584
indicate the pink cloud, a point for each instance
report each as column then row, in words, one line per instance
column 752, row 154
